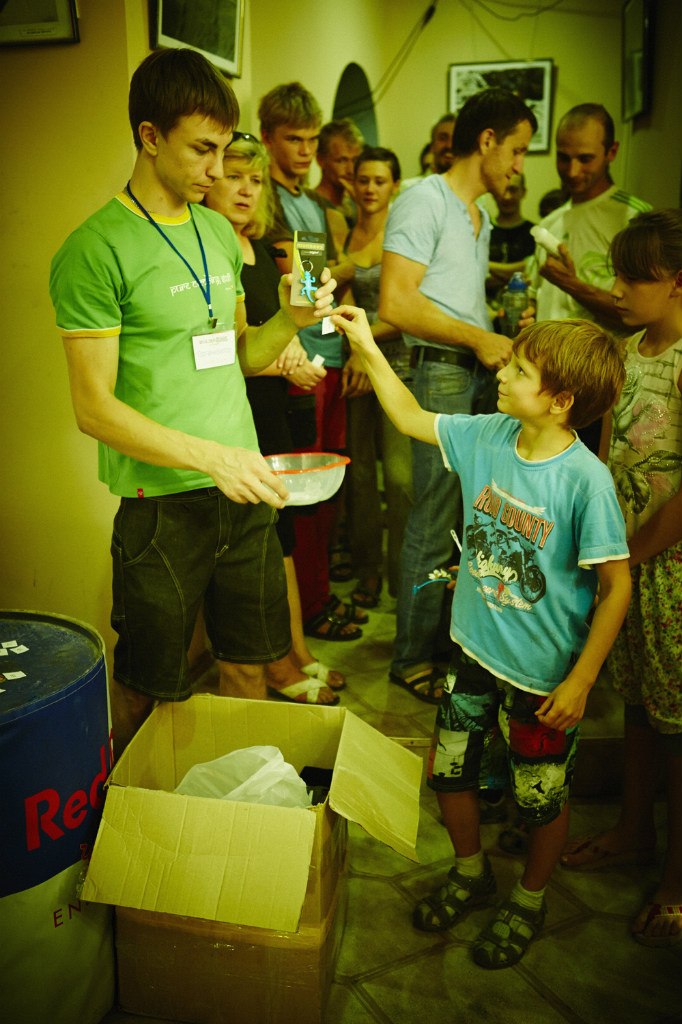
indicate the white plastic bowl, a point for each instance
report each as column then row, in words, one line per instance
column 309, row 476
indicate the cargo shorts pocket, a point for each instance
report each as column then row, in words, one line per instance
column 136, row 527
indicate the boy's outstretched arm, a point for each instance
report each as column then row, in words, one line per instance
column 565, row 706
column 400, row 405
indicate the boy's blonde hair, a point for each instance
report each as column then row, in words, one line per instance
column 289, row 104
column 578, row 358
column 247, row 149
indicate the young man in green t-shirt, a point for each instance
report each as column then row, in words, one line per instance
column 150, row 306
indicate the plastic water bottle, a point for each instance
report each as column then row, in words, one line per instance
column 514, row 301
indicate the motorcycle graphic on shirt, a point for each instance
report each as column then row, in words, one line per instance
column 498, row 553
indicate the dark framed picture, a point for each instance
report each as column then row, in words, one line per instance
column 637, row 65
column 213, row 27
column 532, row 80
column 25, row 22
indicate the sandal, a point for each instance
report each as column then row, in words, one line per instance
column 340, row 565
column 427, row 686
column 586, row 854
column 365, row 596
column 446, row 905
column 327, row 626
column 505, row 939
column 328, row 676
column 305, row 692
column 345, row 610
column 657, row 914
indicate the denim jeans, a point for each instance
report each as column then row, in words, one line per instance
column 427, row 544
column 370, row 435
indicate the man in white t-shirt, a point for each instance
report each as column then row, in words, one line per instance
column 577, row 282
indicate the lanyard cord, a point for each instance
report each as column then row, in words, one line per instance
column 206, row 292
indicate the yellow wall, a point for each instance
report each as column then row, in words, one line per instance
column 68, row 149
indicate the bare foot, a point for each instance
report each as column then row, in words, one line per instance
column 607, row 849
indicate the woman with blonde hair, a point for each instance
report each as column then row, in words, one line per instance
column 244, row 196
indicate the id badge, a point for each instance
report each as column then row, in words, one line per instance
column 216, row 347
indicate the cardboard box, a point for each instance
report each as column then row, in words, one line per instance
column 207, row 972
column 274, row 871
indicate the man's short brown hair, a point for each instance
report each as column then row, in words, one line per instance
column 575, row 357
column 174, row 83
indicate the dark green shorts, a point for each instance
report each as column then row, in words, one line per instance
column 176, row 552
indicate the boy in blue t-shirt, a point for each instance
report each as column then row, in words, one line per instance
column 542, row 531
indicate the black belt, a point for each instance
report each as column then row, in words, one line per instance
column 424, row 353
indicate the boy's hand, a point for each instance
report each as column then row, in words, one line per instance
column 564, row 706
column 352, row 321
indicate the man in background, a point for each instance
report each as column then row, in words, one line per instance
column 339, row 144
column 434, row 268
column 511, row 242
column 577, row 282
column 440, row 150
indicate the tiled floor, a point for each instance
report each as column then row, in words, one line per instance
column 585, row 969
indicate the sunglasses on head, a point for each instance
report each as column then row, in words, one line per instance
column 246, row 136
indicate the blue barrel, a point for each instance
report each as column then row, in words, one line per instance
column 55, row 755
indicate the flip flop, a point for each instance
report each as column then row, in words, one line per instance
column 433, row 677
column 317, row 670
column 304, row 692
column 586, row 854
column 657, row 912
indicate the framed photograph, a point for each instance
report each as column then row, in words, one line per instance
column 23, row 22
column 213, row 27
column 638, row 35
column 532, row 80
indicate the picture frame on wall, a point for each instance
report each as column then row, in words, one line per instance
column 637, row 64
column 531, row 80
column 214, row 28
column 27, row 22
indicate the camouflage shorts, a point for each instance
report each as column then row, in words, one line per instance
column 475, row 707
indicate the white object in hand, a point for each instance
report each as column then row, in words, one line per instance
column 546, row 239
column 317, row 360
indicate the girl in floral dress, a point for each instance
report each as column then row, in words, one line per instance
column 643, row 442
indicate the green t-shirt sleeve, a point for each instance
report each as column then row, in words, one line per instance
column 86, row 284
